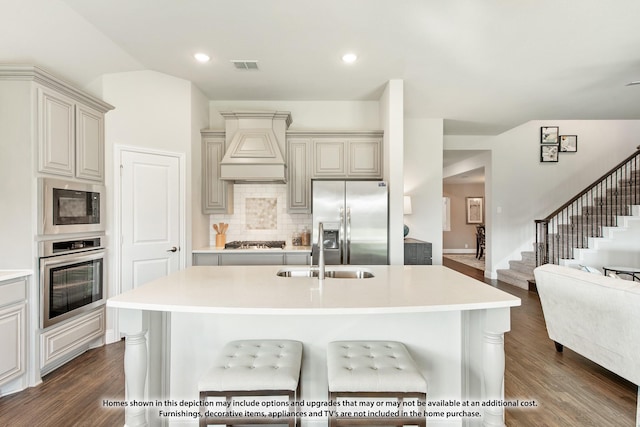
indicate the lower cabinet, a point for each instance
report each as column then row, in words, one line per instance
column 13, row 311
column 60, row 344
column 417, row 252
column 244, row 258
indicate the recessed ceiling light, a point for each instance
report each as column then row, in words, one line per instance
column 201, row 57
column 349, row 58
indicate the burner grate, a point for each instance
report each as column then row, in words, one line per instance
column 255, row 244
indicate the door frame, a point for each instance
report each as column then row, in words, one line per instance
column 116, row 241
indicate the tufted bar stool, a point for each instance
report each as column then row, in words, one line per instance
column 375, row 369
column 253, row 368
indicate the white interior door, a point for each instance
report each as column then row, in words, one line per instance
column 150, row 217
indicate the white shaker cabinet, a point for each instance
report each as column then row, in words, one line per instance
column 13, row 311
column 329, row 155
column 217, row 195
column 299, row 179
column 56, row 127
column 70, row 137
column 348, row 155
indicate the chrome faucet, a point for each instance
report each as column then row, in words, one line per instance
column 320, row 251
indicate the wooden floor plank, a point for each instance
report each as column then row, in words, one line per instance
column 569, row 389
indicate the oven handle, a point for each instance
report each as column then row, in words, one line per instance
column 57, row 260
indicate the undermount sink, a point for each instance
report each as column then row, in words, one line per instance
column 332, row 274
column 297, row 273
column 349, row 274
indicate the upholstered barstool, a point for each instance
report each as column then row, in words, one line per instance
column 375, row 369
column 254, row 368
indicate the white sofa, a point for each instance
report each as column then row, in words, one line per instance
column 595, row 316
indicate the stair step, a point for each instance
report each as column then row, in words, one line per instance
column 594, row 220
column 529, row 257
column 607, row 209
column 521, row 267
column 515, row 278
column 623, row 198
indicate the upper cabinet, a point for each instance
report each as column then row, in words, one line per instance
column 70, row 136
column 217, row 194
column 329, row 155
column 352, row 155
column 299, row 175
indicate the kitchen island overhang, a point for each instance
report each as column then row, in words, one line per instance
column 452, row 324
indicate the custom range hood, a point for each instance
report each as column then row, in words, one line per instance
column 255, row 143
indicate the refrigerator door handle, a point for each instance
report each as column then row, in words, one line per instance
column 348, row 235
column 341, row 237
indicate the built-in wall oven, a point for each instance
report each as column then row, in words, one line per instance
column 70, row 207
column 72, row 278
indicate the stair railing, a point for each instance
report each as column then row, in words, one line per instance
column 598, row 205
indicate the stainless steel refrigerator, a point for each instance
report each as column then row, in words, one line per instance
column 355, row 216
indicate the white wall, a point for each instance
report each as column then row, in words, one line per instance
column 423, row 142
column 157, row 112
column 392, row 117
column 308, row 115
column 523, row 189
column 198, row 227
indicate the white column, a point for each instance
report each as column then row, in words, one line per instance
column 496, row 323
column 135, row 371
column 493, row 372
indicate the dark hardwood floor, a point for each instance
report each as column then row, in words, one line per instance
column 569, row 389
column 72, row 395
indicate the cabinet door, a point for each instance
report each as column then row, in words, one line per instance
column 251, row 259
column 56, row 130
column 89, row 143
column 205, row 259
column 329, row 158
column 12, row 337
column 299, row 179
column 217, row 195
column 365, row 158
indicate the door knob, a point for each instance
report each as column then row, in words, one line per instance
column 173, row 249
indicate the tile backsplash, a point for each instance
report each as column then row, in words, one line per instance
column 260, row 213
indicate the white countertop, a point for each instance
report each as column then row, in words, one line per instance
column 287, row 249
column 14, row 274
column 258, row 290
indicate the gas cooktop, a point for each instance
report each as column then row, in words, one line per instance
column 253, row 244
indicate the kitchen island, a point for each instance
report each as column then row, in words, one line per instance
column 453, row 326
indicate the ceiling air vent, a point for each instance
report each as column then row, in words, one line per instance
column 245, row 65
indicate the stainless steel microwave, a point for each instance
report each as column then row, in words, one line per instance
column 71, row 207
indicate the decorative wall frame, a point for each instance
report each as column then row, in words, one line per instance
column 475, row 210
column 549, row 134
column 549, row 153
column 568, row 143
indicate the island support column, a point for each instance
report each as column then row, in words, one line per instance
column 496, row 323
column 135, row 324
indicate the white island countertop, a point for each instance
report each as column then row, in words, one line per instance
column 258, row 290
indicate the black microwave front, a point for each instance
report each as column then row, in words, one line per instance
column 71, row 207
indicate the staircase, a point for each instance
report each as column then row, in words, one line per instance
column 520, row 272
column 600, row 226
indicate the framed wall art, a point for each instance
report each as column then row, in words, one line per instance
column 549, row 134
column 549, row 153
column 568, row 143
column 475, row 210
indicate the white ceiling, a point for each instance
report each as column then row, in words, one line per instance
column 483, row 66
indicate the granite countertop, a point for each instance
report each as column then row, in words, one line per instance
column 217, row 250
column 258, row 290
